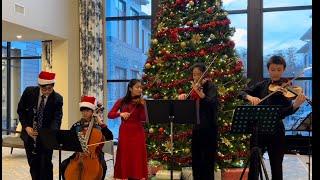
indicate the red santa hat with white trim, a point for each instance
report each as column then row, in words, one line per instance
column 46, row 78
column 88, row 102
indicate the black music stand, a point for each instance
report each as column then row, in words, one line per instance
column 255, row 120
column 172, row 111
column 66, row 140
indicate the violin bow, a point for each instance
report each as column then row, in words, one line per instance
column 285, row 84
column 94, row 144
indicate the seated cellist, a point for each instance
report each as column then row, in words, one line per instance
column 90, row 109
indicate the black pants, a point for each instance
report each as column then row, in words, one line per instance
column 65, row 163
column 41, row 167
column 204, row 145
column 275, row 145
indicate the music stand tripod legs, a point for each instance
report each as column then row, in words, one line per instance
column 256, row 155
column 171, row 139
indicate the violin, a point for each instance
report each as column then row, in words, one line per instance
column 284, row 86
column 86, row 164
column 287, row 89
column 194, row 95
column 284, row 91
column 138, row 100
column 200, row 82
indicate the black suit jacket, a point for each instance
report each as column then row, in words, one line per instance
column 27, row 107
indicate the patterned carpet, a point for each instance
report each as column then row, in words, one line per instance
column 15, row 166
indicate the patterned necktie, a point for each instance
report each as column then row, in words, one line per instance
column 40, row 111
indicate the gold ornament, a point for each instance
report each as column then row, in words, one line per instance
column 160, row 26
column 191, row 3
column 196, row 39
column 154, row 41
column 222, row 90
column 183, row 44
column 151, row 130
column 147, row 66
column 168, row 146
column 226, row 141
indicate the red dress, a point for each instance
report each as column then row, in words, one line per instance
column 131, row 158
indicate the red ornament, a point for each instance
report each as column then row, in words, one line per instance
column 202, row 52
column 161, row 130
column 178, row 2
column 173, row 35
column 209, row 10
column 156, row 96
column 190, row 23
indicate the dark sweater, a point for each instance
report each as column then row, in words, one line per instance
column 208, row 107
column 260, row 90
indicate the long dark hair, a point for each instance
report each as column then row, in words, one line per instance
column 127, row 98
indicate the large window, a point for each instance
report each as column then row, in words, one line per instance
column 287, row 32
column 277, row 34
column 234, row 4
column 285, row 3
column 239, row 22
column 128, row 33
column 238, row 16
column 135, row 30
column 290, row 39
column 122, row 30
column 21, row 64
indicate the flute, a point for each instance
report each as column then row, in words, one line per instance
column 35, row 128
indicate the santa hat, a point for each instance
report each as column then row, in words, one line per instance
column 88, row 102
column 46, row 78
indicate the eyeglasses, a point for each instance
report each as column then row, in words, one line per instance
column 46, row 88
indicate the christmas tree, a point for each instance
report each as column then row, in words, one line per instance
column 186, row 32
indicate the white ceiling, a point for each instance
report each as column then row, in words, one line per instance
column 10, row 31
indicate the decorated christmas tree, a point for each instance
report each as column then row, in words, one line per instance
column 186, row 32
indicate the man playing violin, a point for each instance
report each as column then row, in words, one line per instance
column 90, row 109
column 274, row 144
column 204, row 134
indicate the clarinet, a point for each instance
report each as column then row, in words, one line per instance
column 35, row 128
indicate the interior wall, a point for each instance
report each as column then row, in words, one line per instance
column 49, row 16
column 66, row 65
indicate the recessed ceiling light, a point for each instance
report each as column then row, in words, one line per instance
column 19, row 36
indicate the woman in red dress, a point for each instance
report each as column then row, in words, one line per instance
column 131, row 158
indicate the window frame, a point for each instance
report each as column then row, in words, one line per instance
column 8, row 59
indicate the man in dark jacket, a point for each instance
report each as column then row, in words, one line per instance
column 39, row 107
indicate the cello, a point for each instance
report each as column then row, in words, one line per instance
column 86, row 165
